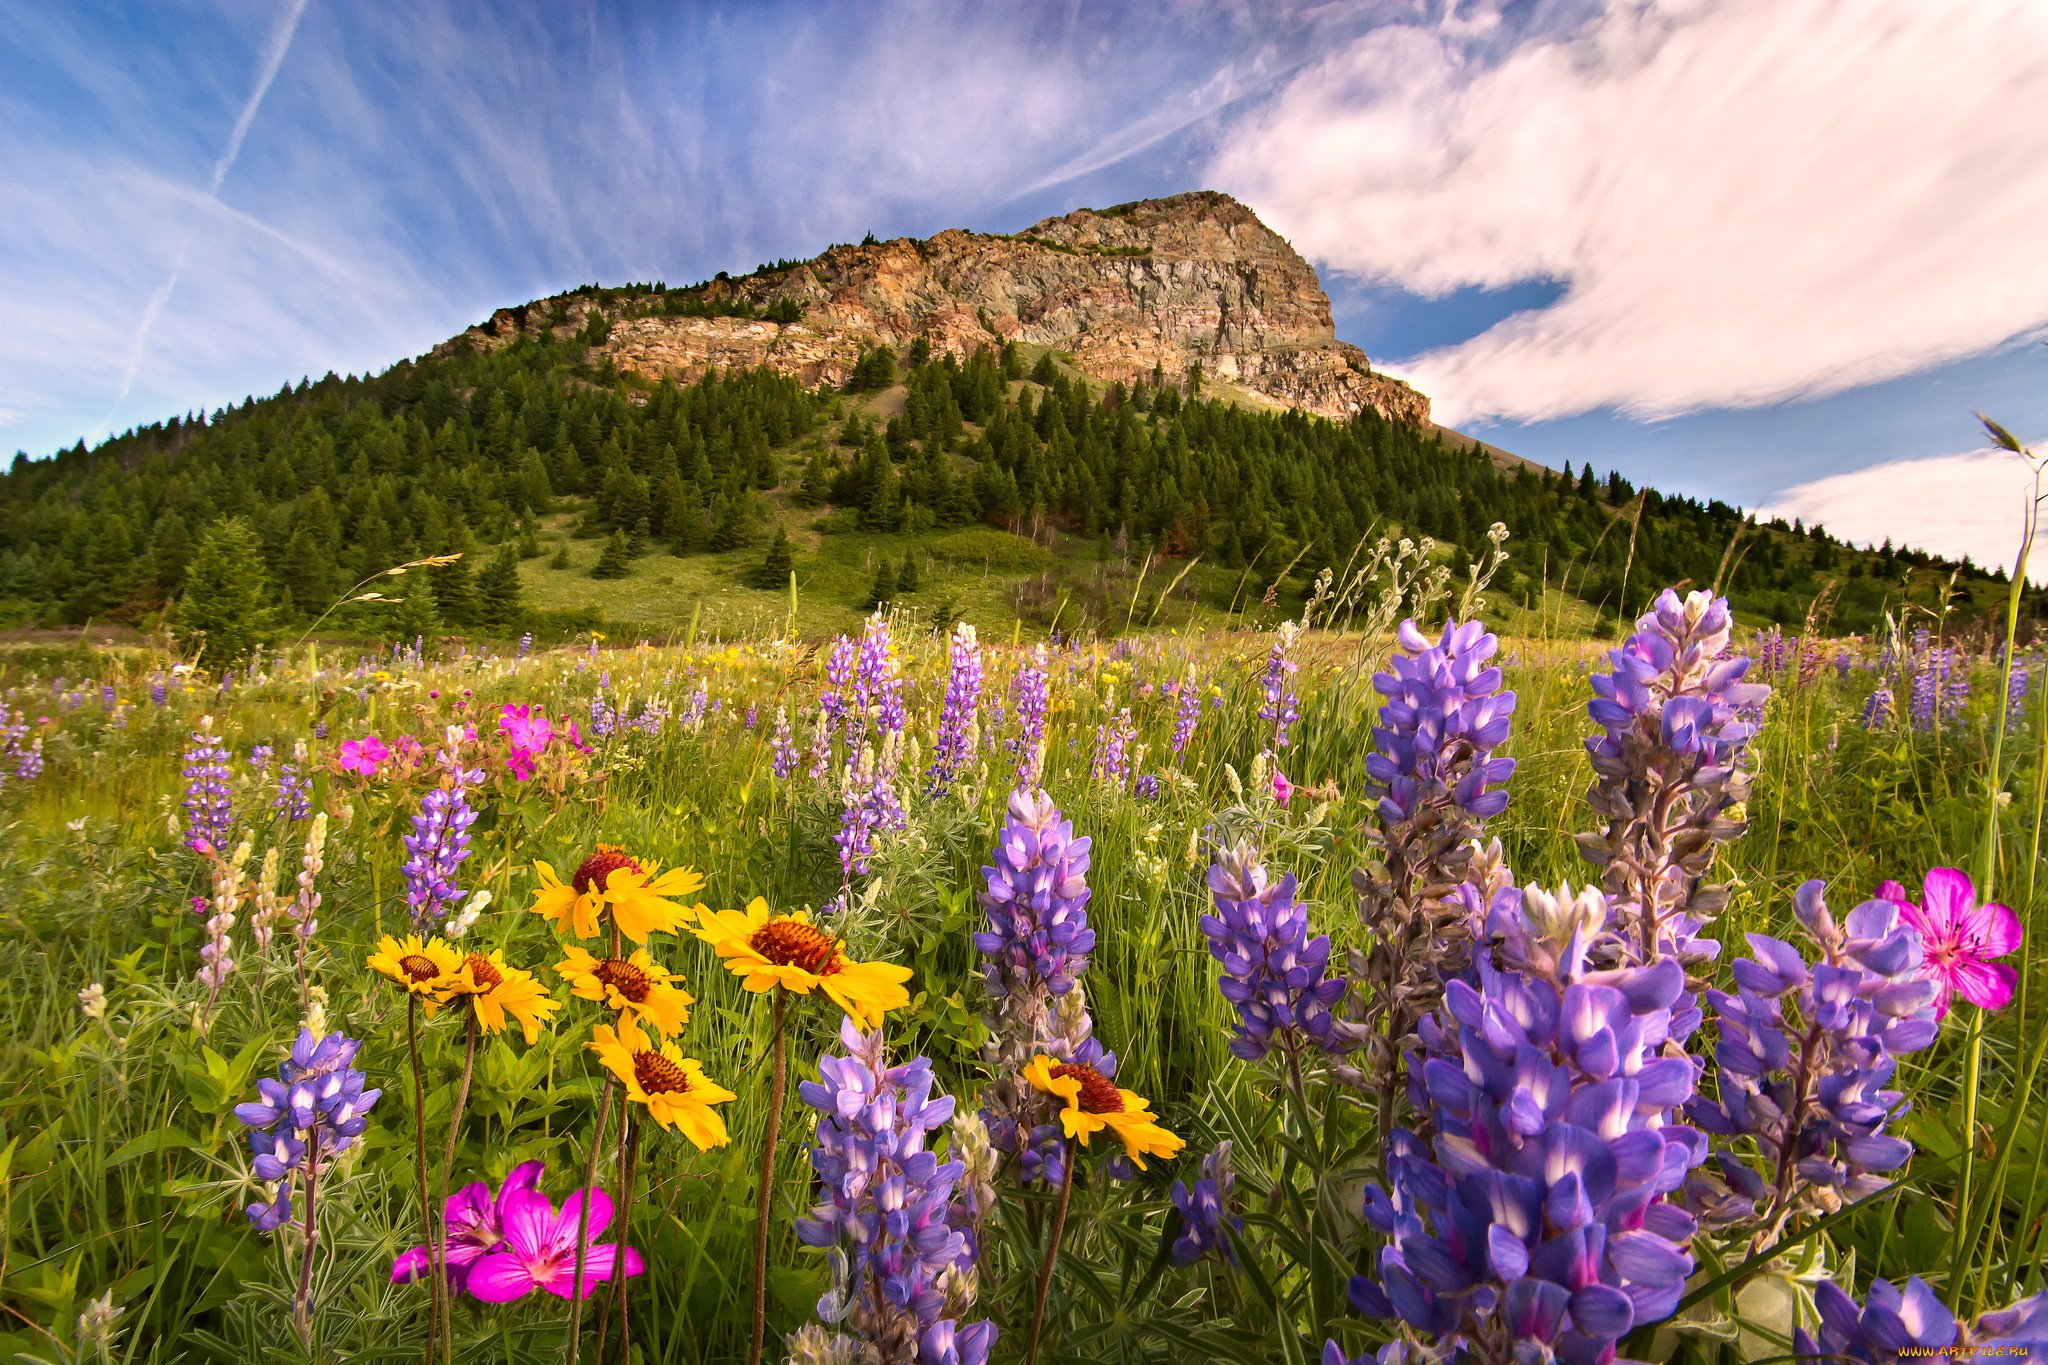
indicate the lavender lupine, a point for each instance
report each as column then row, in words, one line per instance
column 439, row 842
column 836, row 701
column 1274, row 974
column 903, row 1271
column 1435, row 776
column 1907, row 1321
column 302, row 1121
column 1204, row 1211
column 1030, row 694
column 782, row 746
column 821, row 748
column 2017, row 686
column 1669, row 766
column 1282, row 707
column 877, row 685
column 1804, row 1056
column 959, row 720
column 1187, row 715
column 1878, row 707
column 208, row 804
column 216, row 958
column 1541, row 1226
column 1112, row 760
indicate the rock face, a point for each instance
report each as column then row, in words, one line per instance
column 1195, row 278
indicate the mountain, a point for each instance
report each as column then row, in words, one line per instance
column 1130, row 292
column 1119, row 416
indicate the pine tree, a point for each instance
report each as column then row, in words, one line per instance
column 497, row 590
column 907, row 578
column 774, row 569
column 561, row 559
column 884, row 586
column 223, row 612
column 416, row 618
column 617, row 559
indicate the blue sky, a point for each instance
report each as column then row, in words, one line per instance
column 1773, row 251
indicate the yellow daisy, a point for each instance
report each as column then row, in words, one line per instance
column 637, row 894
column 674, row 1088
column 425, row 968
column 768, row 950
column 1093, row 1103
column 637, row 987
column 495, row 990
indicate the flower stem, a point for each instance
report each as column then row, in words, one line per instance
column 1052, row 1253
column 461, row 1102
column 618, row 1265
column 1972, row 1062
column 302, row 1302
column 419, row 1114
column 582, row 1252
column 777, row 1084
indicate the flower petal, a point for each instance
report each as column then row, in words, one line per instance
column 1948, row 896
column 1993, row 931
column 500, row 1278
column 1987, row 985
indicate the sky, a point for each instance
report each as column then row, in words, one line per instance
column 1775, row 252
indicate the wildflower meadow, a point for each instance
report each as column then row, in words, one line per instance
column 1291, row 994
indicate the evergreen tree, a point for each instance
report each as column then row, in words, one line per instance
column 907, row 579
column 498, row 591
column 774, row 569
column 561, row 559
column 417, row 618
column 617, row 559
column 884, row 586
column 224, row 612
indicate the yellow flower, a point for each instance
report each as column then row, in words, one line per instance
column 425, row 969
column 495, row 990
column 768, row 950
column 1093, row 1103
column 637, row 987
column 674, row 1088
column 638, row 895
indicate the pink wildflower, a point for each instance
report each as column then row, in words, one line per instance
column 363, row 755
column 1958, row 939
column 539, row 1251
column 1282, row 788
column 475, row 1227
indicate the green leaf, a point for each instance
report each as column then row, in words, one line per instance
column 176, row 1139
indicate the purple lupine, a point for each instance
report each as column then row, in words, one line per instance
column 1878, row 707
column 159, row 694
column 260, row 756
column 2016, row 687
column 1204, row 1211
column 821, row 747
column 877, row 684
column 1112, row 761
column 1034, row 952
column 1773, row 650
column 1274, row 974
column 1895, row 1322
column 108, row 696
column 1955, row 692
column 1434, row 773
column 782, row 746
column 28, row 762
column 1844, row 662
column 1282, row 707
column 1541, row 1226
column 868, row 803
column 903, row 1272
column 836, row 700
column 604, row 717
column 1146, row 788
column 439, row 841
column 1669, row 765
column 1030, row 693
column 1187, row 715
column 959, row 722
column 294, row 799
column 1803, row 1058
column 208, row 809
column 525, row 645
column 752, row 719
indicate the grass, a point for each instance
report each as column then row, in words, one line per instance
column 124, row 1169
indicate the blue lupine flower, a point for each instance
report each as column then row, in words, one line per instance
column 1204, row 1211
column 1444, row 716
column 310, row 1113
column 1273, row 972
column 1895, row 1322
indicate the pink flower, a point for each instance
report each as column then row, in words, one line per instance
column 1282, row 788
column 524, row 728
column 539, row 1251
column 1958, row 939
column 576, row 739
column 475, row 1227
column 363, row 755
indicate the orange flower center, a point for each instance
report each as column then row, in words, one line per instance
column 419, row 967
column 623, row 977
column 608, row 859
column 792, row 943
column 484, row 972
column 659, row 1075
column 1099, row 1094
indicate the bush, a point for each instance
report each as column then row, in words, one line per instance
column 993, row 549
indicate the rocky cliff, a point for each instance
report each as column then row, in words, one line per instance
column 1160, row 283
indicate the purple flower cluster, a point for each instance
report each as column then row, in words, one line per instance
column 1030, row 693
column 1676, row 719
column 439, row 841
column 1204, row 1211
column 1113, row 737
column 836, row 700
column 1186, row 716
column 1879, row 707
column 1898, row 1322
column 904, row 1273
column 877, row 686
column 2016, row 687
column 294, row 798
column 1773, row 650
column 869, row 803
column 1273, row 972
column 1542, row 1228
column 208, row 804
column 310, row 1114
column 959, row 721
column 783, row 745
column 1804, row 1057
column 1282, row 707
column 1444, row 716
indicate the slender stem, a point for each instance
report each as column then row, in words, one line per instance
column 302, row 1303
column 1052, row 1253
column 461, row 1101
column 618, row 1281
column 632, row 1167
column 1972, row 1060
column 778, row 1082
column 419, row 1114
column 604, row 1105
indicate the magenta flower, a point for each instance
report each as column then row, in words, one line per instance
column 1282, row 788
column 1958, row 939
column 475, row 1227
column 363, row 755
column 524, row 728
column 539, row 1251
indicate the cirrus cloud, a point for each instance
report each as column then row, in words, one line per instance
column 1745, row 202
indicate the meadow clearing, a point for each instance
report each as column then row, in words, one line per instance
column 167, row 832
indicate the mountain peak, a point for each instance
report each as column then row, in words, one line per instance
column 1161, row 284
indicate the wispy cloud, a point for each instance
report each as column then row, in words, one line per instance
column 1746, row 201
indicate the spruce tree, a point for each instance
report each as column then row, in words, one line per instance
column 561, row 559
column 497, row 590
column 907, row 578
column 774, row 569
column 224, row 612
column 884, row 586
column 417, row 618
column 617, row 559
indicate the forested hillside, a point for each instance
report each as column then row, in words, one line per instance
column 502, row 456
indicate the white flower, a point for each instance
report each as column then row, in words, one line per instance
column 93, row 1000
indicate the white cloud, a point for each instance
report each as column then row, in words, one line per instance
column 1745, row 202
column 1952, row 505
